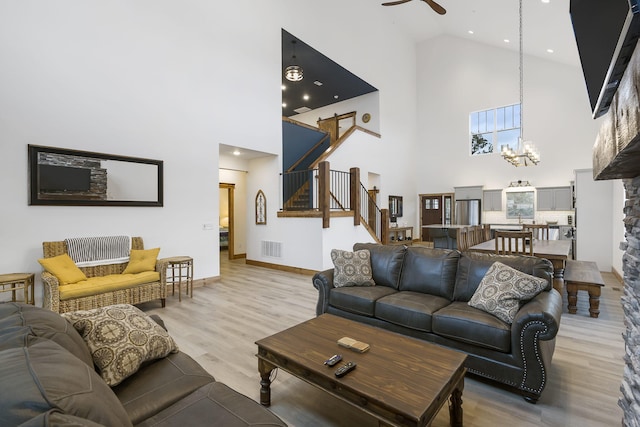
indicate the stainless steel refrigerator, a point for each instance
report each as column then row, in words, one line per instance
column 468, row 212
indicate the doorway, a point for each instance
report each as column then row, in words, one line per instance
column 227, row 205
column 435, row 209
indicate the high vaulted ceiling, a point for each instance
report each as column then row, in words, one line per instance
column 547, row 33
column 546, row 24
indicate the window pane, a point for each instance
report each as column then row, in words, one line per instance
column 482, row 121
column 473, row 123
column 500, row 119
column 490, row 120
column 509, row 138
column 508, row 117
column 481, row 143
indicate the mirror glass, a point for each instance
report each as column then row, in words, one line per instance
column 395, row 206
column 58, row 176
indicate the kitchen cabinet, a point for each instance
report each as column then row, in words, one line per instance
column 554, row 199
column 492, row 200
column 468, row 193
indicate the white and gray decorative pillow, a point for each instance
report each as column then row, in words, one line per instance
column 120, row 338
column 503, row 288
column 351, row 268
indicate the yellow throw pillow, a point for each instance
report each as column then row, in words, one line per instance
column 142, row 260
column 63, row 267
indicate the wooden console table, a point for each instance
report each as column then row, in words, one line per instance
column 400, row 235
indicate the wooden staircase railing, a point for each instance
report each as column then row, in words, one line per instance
column 338, row 192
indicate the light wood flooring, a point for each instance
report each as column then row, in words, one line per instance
column 220, row 324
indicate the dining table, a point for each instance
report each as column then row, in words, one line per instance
column 556, row 251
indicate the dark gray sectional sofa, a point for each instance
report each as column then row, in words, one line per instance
column 47, row 378
column 423, row 293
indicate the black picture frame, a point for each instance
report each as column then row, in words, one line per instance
column 78, row 178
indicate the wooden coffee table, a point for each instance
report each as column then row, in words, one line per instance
column 400, row 380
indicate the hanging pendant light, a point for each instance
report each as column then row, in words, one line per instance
column 293, row 72
column 526, row 154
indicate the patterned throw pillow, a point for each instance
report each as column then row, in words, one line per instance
column 120, row 338
column 503, row 288
column 351, row 268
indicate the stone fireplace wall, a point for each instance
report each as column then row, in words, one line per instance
column 630, row 399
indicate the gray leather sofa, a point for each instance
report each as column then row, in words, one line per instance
column 423, row 293
column 47, row 378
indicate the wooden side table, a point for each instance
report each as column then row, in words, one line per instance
column 181, row 272
column 583, row 276
column 16, row 282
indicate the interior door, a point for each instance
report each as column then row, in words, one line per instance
column 431, row 208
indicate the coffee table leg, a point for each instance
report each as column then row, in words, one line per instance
column 455, row 405
column 265, row 369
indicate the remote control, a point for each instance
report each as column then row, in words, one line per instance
column 344, row 369
column 333, row 360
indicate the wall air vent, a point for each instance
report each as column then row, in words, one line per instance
column 302, row 110
column 271, row 249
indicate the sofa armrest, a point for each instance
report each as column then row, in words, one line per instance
column 51, row 292
column 544, row 309
column 161, row 267
column 533, row 333
column 323, row 282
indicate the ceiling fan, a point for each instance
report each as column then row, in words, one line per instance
column 435, row 6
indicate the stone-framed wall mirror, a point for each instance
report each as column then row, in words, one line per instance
column 59, row 176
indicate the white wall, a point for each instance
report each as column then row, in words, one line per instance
column 170, row 80
column 457, row 76
column 369, row 103
column 618, row 232
column 594, row 219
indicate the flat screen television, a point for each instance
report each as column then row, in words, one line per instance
column 606, row 33
column 63, row 178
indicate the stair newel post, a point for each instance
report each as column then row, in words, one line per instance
column 324, row 193
column 384, row 226
column 354, row 189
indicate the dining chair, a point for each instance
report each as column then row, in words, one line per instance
column 439, row 237
column 514, row 242
column 486, row 232
column 540, row 231
column 461, row 238
column 453, row 238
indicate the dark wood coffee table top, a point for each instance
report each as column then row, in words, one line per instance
column 401, row 380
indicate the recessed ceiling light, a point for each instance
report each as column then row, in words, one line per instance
column 546, row 1
column 236, row 152
column 317, row 83
column 283, row 87
column 335, row 97
column 470, row 31
column 506, row 40
column 305, row 97
column 284, row 105
column 549, row 50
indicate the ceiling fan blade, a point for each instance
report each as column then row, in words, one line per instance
column 393, row 3
column 436, row 7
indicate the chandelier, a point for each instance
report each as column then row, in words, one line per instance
column 526, row 154
column 293, row 73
